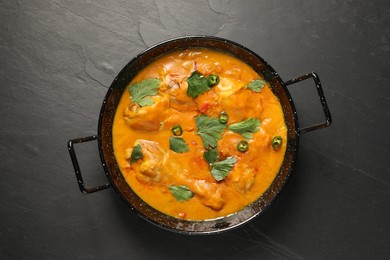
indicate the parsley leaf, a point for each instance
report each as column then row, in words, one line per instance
column 181, row 193
column 136, row 154
column 221, row 169
column 246, row 128
column 197, row 84
column 211, row 156
column 141, row 92
column 256, row 85
column 210, row 129
column 177, row 144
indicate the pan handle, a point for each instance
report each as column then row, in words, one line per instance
column 76, row 167
column 328, row 118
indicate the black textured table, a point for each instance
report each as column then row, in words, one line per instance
column 57, row 60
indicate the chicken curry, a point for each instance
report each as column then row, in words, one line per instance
column 198, row 134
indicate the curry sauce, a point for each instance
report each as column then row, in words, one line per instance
column 198, row 150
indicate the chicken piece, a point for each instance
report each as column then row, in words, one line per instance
column 171, row 84
column 151, row 164
column 227, row 146
column 207, row 103
column 147, row 118
column 242, row 177
column 184, row 119
column 210, row 194
column 156, row 167
column 241, row 105
column 227, row 87
column 175, row 85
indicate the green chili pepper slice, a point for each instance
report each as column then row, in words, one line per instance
column 177, row 130
column 277, row 142
column 223, row 117
column 212, row 80
column 242, row 146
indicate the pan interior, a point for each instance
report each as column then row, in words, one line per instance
column 114, row 174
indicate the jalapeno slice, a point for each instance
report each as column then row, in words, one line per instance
column 243, row 146
column 277, row 142
column 223, row 117
column 177, row 130
column 212, row 80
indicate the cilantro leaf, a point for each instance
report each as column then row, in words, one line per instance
column 136, row 153
column 181, row 193
column 221, row 169
column 211, row 156
column 256, row 85
column 146, row 101
column 177, row 144
column 210, row 129
column 246, row 128
column 197, row 84
column 141, row 92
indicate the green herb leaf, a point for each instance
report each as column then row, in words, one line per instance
column 211, row 156
column 177, row 144
column 221, row 169
column 256, row 85
column 136, row 153
column 210, row 129
column 246, row 128
column 197, row 84
column 141, row 92
column 181, row 193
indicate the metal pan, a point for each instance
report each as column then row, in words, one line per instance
column 114, row 175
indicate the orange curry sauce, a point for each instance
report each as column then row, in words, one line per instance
column 160, row 167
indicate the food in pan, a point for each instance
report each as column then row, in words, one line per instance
column 199, row 134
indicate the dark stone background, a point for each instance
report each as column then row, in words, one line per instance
column 57, row 59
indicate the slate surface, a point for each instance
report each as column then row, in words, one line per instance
column 57, row 59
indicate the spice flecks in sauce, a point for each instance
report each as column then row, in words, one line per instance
column 242, row 176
